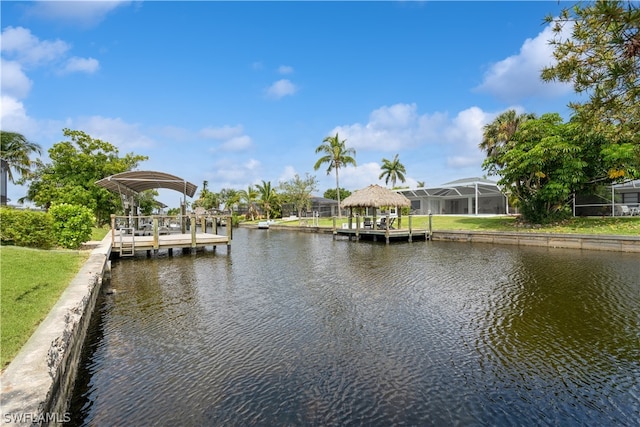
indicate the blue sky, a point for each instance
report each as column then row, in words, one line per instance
column 239, row 92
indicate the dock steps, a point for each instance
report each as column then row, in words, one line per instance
column 127, row 247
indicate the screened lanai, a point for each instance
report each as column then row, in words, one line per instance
column 469, row 196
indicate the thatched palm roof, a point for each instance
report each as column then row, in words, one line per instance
column 375, row 196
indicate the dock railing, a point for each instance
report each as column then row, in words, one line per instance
column 157, row 225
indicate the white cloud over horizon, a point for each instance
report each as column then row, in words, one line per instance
column 518, row 76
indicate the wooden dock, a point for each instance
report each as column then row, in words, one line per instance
column 127, row 240
column 356, row 231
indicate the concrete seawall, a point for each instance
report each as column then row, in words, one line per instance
column 568, row 241
column 37, row 384
column 619, row 243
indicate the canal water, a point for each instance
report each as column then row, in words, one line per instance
column 298, row 329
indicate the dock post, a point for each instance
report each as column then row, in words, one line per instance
column 410, row 230
column 192, row 225
column 386, row 230
column 113, row 229
column 430, row 232
column 156, row 239
column 229, row 232
column 334, row 228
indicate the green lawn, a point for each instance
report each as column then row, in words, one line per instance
column 31, row 281
column 591, row 225
column 98, row 233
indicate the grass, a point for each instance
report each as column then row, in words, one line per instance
column 98, row 233
column 578, row 225
column 27, row 294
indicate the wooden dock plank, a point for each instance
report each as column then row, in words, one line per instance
column 169, row 241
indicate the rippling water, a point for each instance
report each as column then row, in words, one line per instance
column 299, row 329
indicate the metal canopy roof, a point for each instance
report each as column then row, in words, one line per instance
column 462, row 187
column 132, row 183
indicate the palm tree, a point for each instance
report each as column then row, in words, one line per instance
column 497, row 135
column 14, row 154
column 268, row 197
column 392, row 170
column 336, row 155
column 249, row 197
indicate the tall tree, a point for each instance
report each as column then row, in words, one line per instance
column 497, row 135
column 268, row 197
column 392, row 170
column 331, row 194
column 207, row 199
column 75, row 167
column 15, row 156
column 229, row 197
column 602, row 60
column 249, row 196
column 548, row 161
column 297, row 191
column 335, row 155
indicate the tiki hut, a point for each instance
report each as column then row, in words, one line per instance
column 375, row 196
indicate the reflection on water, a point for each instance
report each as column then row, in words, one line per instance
column 298, row 329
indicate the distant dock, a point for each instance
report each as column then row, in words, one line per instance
column 355, row 230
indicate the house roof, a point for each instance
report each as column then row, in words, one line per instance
column 132, row 183
column 457, row 188
column 375, row 196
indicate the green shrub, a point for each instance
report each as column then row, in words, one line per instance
column 72, row 224
column 29, row 228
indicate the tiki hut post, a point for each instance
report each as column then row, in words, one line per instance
column 375, row 196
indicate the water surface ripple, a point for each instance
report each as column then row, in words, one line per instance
column 299, row 329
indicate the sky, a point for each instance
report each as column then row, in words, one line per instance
column 236, row 93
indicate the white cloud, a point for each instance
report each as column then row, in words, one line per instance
column 86, row 65
column 287, row 173
column 518, row 76
column 233, row 137
column 22, row 46
column 400, row 127
column 359, row 176
column 125, row 136
column 281, row 88
column 82, row 13
column 231, row 173
column 237, row 143
column 13, row 116
column 14, row 81
column 391, row 128
column 252, row 164
column 222, row 133
column 285, row 69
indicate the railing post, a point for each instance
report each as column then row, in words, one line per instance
column 192, row 225
column 156, row 233
column 113, row 229
column 334, row 228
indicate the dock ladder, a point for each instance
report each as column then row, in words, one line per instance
column 127, row 248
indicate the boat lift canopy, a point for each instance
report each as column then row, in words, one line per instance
column 129, row 184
